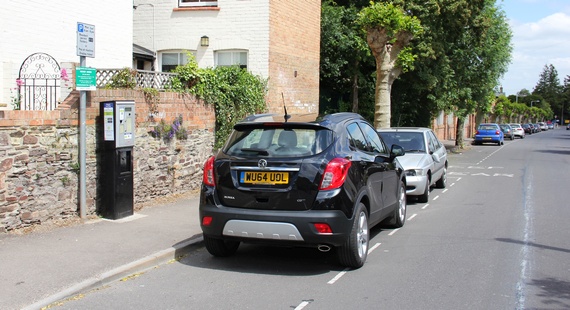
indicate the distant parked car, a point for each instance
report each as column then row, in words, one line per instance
column 507, row 131
column 550, row 125
column 536, row 128
column 489, row 133
column 518, row 130
column 527, row 128
column 425, row 161
column 542, row 126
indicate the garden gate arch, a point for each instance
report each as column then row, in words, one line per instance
column 39, row 82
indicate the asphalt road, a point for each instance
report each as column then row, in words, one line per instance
column 496, row 238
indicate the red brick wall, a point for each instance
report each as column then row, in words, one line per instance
column 294, row 55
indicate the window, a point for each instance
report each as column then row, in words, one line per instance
column 170, row 60
column 231, row 58
column 357, row 139
column 191, row 3
column 373, row 138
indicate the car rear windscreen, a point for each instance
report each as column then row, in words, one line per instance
column 278, row 142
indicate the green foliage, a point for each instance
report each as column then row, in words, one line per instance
column 74, row 167
column 347, row 66
column 549, row 88
column 126, row 78
column 188, row 74
column 389, row 17
column 234, row 92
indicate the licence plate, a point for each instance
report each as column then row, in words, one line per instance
column 487, row 138
column 264, row 177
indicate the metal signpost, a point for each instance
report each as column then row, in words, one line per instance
column 84, row 80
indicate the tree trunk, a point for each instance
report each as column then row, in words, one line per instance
column 459, row 132
column 382, row 113
column 386, row 55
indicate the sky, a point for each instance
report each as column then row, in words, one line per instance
column 541, row 36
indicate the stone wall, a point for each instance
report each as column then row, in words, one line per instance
column 39, row 155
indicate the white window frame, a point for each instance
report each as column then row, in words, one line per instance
column 235, row 55
column 179, row 52
column 195, row 3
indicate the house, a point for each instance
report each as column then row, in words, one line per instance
column 38, row 47
column 277, row 40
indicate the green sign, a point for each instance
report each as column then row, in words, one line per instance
column 85, row 78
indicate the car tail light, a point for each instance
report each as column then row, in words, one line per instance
column 335, row 173
column 497, row 132
column 323, row 228
column 207, row 220
column 208, row 178
column 477, row 132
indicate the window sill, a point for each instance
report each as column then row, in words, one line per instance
column 198, row 8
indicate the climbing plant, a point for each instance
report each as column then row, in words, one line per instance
column 234, row 92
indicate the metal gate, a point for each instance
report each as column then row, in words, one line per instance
column 39, row 82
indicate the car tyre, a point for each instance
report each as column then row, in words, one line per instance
column 220, row 247
column 398, row 218
column 354, row 252
column 425, row 196
column 442, row 182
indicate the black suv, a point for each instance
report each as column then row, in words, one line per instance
column 302, row 182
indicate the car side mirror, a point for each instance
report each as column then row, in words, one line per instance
column 397, row 151
column 435, row 158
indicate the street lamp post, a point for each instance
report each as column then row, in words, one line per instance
column 533, row 101
column 517, row 95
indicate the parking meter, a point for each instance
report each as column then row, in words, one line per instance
column 119, row 122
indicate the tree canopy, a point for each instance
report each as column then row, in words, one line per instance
column 457, row 60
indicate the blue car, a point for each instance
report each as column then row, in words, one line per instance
column 489, row 133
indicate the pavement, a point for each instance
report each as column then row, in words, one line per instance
column 41, row 267
column 44, row 266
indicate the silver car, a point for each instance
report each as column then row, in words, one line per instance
column 518, row 131
column 425, row 161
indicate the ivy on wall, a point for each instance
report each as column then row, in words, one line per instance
column 234, row 92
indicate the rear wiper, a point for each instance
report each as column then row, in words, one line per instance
column 258, row 151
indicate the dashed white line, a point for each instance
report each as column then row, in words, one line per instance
column 445, row 190
column 436, row 197
column 450, row 185
column 302, row 305
column 424, row 207
column 338, row 276
column 374, row 247
column 411, row 217
column 393, row 231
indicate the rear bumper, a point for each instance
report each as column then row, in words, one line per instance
column 483, row 139
column 275, row 227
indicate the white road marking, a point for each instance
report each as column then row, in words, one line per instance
column 450, row 185
column 302, row 305
column 427, row 204
column 411, row 217
column 338, row 276
column 374, row 247
column 445, row 190
column 436, row 197
column 393, row 232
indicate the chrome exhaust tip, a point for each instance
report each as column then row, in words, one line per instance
column 323, row 248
